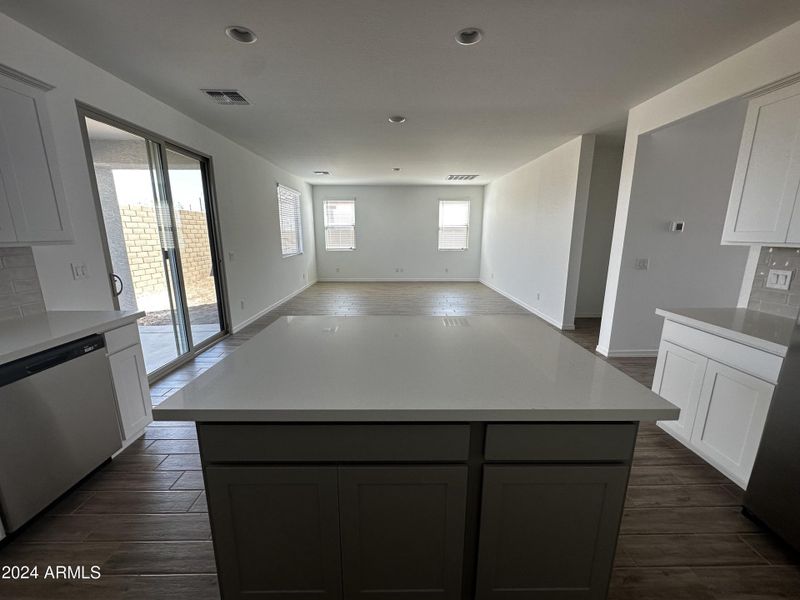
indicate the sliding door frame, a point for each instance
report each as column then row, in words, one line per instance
column 212, row 215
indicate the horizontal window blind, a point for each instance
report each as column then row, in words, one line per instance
column 453, row 224
column 289, row 219
column 340, row 224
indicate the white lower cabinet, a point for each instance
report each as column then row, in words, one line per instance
column 723, row 407
column 730, row 418
column 130, row 383
column 679, row 379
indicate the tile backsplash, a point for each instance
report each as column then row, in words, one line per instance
column 20, row 292
column 785, row 303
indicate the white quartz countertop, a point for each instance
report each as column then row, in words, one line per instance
column 23, row 337
column 396, row 368
column 751, row 327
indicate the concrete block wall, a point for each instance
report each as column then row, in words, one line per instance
column 143, row 249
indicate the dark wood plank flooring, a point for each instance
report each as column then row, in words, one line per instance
column 142, row 518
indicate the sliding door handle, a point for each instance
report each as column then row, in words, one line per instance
column 115, row 281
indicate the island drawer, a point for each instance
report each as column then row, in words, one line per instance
column 257, row 442
column 560, row 442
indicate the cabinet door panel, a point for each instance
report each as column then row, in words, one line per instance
column 768, row 170
column 549, row 531
column 7, row 233
column 276, row 531
column 403, row 531
column 678, row 379
column 131, row 388
column 730, row 419
column 27, row 160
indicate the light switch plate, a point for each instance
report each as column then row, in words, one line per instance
column 778, row 279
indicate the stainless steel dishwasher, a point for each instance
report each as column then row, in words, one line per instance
column 58, row 421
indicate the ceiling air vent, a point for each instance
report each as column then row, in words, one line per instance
column 461, row 177
column 227, row 97
column 455, row 322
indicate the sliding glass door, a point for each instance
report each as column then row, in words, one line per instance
column 155, row 203
column 187, row 185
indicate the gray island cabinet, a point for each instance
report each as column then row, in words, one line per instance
column 353, row 458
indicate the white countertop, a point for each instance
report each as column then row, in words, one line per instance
column 751, row 327
column 495, row 368
column 23, row 337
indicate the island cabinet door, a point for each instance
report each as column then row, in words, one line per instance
column 276, row 531
column 549, row 531
column 402, row 531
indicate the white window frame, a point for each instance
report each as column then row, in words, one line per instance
column 439, row 230
column 298, row 221
column 325, row 225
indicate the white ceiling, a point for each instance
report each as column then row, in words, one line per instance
column 325, row 75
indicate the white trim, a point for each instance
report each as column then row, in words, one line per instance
column 25, row 78
column 641, row 353
column 390, row 279
column 529, row 308
column 749, row 274
column 273, row 306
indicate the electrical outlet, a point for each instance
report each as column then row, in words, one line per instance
column 538, row 296
column 79, row 270
column 642, row 264
column 337, row 269
column 304, row 276
column 446, row 270
column 241, row 303
column 778, row 279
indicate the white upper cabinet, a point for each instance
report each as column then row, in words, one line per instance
column 765, row 185
column 32, row 207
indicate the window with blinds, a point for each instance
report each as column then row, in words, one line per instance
column 453, row 224
column 340, row 224
column 290, row 221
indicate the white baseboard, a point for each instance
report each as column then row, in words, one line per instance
column 529, row 308
column 271, row 307
column 398, row 279
column 640, row 353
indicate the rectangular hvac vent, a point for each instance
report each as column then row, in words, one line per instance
column 461, row 177
column 455, row 322
column 227, row 97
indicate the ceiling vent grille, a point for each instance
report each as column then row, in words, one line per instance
column 227, row 97
column 455, row 322
column 461, row 177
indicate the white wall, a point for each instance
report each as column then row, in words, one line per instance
column 245, row 185
column 603, row 190
column 397, row 227
column 768, row 61
column 533, row 231
column 683, row 172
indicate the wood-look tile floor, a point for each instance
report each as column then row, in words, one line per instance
column 143, row 519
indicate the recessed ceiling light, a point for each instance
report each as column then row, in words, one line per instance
column 241, row 34
column 396, row 169
column 322, row 172
column 469, row 36
column 397, row 119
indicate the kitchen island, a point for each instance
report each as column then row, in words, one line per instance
column 414, row 457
